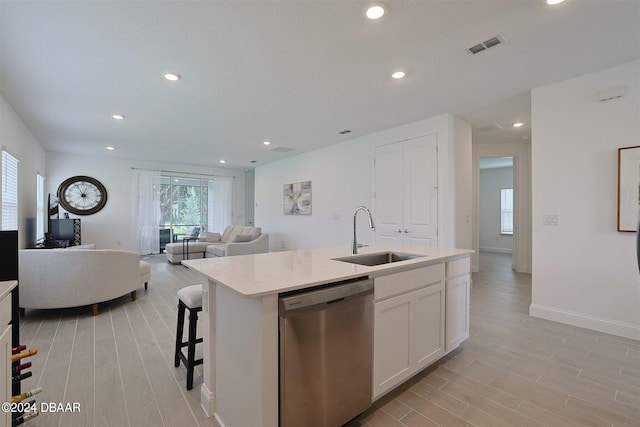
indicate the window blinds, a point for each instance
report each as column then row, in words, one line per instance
column 9, row 191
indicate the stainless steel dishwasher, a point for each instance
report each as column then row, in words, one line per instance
column 326, row 349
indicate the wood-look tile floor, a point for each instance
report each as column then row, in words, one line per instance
column 514, row 370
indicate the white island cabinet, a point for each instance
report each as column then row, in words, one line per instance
column 458, row 287
column 240, row 320
column 409, row 314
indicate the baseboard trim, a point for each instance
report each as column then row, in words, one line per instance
column 496, row 250
column 207, row 401
column 608, row 326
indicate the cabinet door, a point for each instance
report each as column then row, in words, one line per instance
column 420, row 213
column 5, row 362
column 388, row 177
column 428, row 330
column 392, row 343
column 457, row 303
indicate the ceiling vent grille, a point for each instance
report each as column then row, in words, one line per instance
column 279, row 149
column 489, row 128
column 487, row 44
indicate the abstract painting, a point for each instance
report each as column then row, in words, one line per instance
column 297, row 198
column 628, row 188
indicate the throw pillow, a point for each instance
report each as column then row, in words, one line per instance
column 212, row 237
column 243, row 238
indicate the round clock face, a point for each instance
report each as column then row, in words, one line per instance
column 82, row 195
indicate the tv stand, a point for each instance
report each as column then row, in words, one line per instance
column 66, row 229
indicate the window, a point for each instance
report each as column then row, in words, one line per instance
column 187, row 202
column 9, row 191
column 182, row 204
column 506, row 211
column 39, row 207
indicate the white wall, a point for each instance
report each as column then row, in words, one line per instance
column 16, row 138
column 342, row 179
column 584, row 271
column 114, row 227
column 491, row 182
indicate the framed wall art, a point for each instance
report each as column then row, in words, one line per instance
column 628, row 188
column 297, row 198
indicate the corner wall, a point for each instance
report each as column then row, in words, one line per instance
column 584, row 271
column 16, row 138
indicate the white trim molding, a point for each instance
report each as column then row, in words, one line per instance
column 608, row 326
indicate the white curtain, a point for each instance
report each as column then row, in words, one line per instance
column 147, row 183
column 220, row 203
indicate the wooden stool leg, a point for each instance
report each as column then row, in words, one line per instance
column 179, row 330
column 191, row 347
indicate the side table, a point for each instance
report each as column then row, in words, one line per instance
column 185, row 246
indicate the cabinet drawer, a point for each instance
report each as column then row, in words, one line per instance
column 405, row 281
column 458, row 267
column 5, row 312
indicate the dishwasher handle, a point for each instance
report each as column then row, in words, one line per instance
column 324, row 296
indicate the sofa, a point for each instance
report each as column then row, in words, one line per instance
column 235, row 240
column 72, row 277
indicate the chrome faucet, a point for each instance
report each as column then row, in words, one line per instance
column 354, row 249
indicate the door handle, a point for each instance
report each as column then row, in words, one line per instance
column 399, row 230
column 406, row 231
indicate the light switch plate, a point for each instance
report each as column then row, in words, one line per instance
column 550, row 219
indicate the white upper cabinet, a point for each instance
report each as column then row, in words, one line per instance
column 406, row 191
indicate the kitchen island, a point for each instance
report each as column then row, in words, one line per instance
column 240, row 319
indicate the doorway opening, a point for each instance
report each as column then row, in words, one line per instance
column 496, row 213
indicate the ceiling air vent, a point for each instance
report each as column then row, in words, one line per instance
column 487, row 44
column 489, row 128
column 279, row 149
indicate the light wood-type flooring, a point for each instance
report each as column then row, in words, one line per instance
column 514, row 370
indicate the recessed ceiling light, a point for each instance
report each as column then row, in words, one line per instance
column 267, row 143
column 398, row 74
column 110, row 147
column 118, row 116
column 554, row 2
column 173, row 77
column 223, row 161
column 375, row 11
column 518, row 124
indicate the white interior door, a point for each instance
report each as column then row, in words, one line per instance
column 388, row 182
column 420, row 219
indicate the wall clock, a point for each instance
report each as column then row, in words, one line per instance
column 82, row 195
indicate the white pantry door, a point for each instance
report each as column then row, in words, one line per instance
column 406, row 191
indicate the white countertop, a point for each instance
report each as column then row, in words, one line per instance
column 274, row 272
column 6, row 287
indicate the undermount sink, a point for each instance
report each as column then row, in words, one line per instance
column 378, row 258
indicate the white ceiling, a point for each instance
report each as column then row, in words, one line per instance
column 293, row 72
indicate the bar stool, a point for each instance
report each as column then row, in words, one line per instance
column 189, row 298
